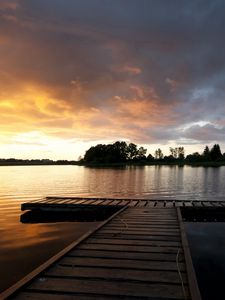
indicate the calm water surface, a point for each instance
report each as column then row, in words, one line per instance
column 24, row 246
column 207, row 245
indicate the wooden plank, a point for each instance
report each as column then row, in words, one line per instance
column 115, row 202
column 151, row 216
column 136, row 223
column 150, row 208
column 140, row 226
column 149, row 240
column 197, row 204
column 66, row 201
column 78, row 201
column 127, row 248
column 145, row 225
column 116, row 274
column 118, row 241
column 141, row 203
column 148, row 215
column 159, row 204
column 192, row 280
column 89, row 201
column 150, row 220
column 130, row 229
column 107, row 202
column 125, row 236
column 139, row 231
column 124, row 202
column 153, row 236
column 150, row 203
column 141, row 216
column 206, row 204
column 151, row 226
column 217, row 203
column 188, row 204
column 142, row 229
column 179, row 203
column 148, row 223
column 169, row 204
column 133, row 203
column 114, row 288
column 141, row 236
column 128, row 255
column 99, row 202
column 38, row 295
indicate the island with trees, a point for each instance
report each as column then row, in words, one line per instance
column 123, row 153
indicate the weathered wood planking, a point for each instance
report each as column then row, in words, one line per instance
column 118, row 262
column 68, row 203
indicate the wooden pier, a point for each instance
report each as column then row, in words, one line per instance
column 68, row 203
column 140, row 252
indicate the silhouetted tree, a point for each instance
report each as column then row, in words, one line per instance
column 177, row 153
column 141, row 155
column 158, row 154
column 173, row 152
column 150, row 158
column 181, row 153
column 215, row 152
column 195, row 157
column 132, row 151
column 118, row 151
column 97, row 154
column 206, row 154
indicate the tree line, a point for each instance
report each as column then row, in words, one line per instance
column 120, row 152
column 115, row 153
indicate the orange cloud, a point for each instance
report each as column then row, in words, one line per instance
column 32, row 108
column 6, row 4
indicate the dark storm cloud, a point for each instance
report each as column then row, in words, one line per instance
column 206, row 133
column 90, row 53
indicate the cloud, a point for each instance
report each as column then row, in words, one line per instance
column 137, row 71
column 206, row 134
column 9, row 5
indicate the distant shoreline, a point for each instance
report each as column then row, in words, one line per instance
column 121, row 164
column 35, row 162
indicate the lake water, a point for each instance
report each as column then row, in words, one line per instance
column 25, row 246
column 207, row 246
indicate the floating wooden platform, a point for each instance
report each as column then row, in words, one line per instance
column 68, row 203
column 138, row 253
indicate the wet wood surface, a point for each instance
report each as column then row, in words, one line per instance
column 138, row 254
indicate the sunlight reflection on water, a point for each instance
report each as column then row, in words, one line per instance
column 24, row 246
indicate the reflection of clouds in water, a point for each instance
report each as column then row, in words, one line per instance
column 154, row 182
column 24, row 247
column 207, row 245
column 26, row 235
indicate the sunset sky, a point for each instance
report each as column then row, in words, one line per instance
column 74, row 73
